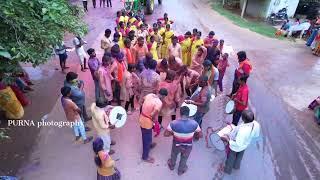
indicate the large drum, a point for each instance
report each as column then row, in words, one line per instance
column 118, row 116
column 215, row 138
column 230, row 107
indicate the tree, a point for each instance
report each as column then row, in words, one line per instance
column 30, row 29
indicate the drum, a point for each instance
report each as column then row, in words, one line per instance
column 193, row 108
column 226, row 130
column 215, row 138
column 230, row 107
column 118, row 116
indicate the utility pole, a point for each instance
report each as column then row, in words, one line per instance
column 244, row 7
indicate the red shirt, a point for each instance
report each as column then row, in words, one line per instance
column 244, row 68
column 242, row 95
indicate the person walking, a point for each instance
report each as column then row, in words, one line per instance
column 85, row 5
column 94, row 3
column 106, row 166
column 94, row 65
column 239, row 139
column 182, row 131
column 222, row 66
column 151, row 106
column 78, row 43
column 109, row 3
column 61, row 51
column 72, row 112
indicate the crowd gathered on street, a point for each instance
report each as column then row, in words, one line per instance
column 153, row 70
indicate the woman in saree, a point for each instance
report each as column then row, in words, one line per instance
column 186, row 49
column 166, row 36
column 197, row 42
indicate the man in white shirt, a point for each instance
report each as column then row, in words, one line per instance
column 175, row 48
column 239, row 139
column 78, row 43
column 106, row 42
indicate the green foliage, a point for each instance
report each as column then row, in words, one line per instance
column 30, row 29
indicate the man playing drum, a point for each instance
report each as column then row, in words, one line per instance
column 241, row 99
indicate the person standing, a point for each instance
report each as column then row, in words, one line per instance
column 198, row 59
column 106, row 166
column 215, row 78
column 186, row 48
column 101, row 123
column 196, row 43
column 109, row 3
column 94, row 65
column 241, row 99
column 213, row 51
column 105, row 78
column 103, row 2
column 209, row 39
column 94, row 3
column 127, row 51
column 239, row 139
column 201, row 99
column 166, row 36
column 77, row 93
column 131, row 83
column 222, row 66
column 61, row 51
column 175, row 48
column 106, row 42
column 140, row 51
column 151, row 106
column 182, row 131
column 85, row 5
column 73, row 112
column 78, row 43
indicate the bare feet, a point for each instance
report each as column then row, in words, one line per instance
column 149, row 160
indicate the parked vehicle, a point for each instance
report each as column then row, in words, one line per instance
column 279, row 17
column 147, row 5
column 309, row 8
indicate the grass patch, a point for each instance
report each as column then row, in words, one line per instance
column 258, row 27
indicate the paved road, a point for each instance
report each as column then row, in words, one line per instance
column 289, row 149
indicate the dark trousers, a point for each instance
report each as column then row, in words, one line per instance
column 173, row 117
column 198, row 117
column 190, row 91
column 130, row 102
column 94, row 2
column 184, row 152
column 117, row 89
column 221, row 75
column 233, row 161
column 83, row 114
column 109, row 3
column 236, row 117
column 85, row 6
column 103, row 2
column 62, row 59
column 146, row 142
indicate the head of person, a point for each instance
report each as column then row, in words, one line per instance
column 152, row 64
column 170, row 75
column 195, row 31
column 184, row 112
column 183, row 71
column 166, row 20
column 221, row 43
column 154, row 25
column 225, row 56
column 66, row 91
column 207, row 65
column 215, row 43
column 100, row 103
column 97, row 146
column 247, row 116
column 159, row 23
column 131, row 35
column 120, row 57
column 164, row 63
column 152, row 38
column 71, row 77
column 142, row 27
column 140, row 41
column 168, row 27
column 115, row 50
column 129, row 24
column 118, row 13
column 121, row 25
column 127, row 43
column 130, row 15
column 165, row 15
column 211, row 34
column 163, row 93
column 107, row 33
column 203, row 81
column 91, row 52
column 241, row 56
column 174, row 40
column 106, row 60
column 200, row 51
column 123, row 13
column 187, row 34
column 243, row 79
column 131, row 68
column 116, row 37
column 149, row 56
column 199, row 35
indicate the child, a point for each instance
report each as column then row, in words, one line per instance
column 152, row 47
column 221, row 45
column 222, row 66
column 122, row 29
column 72, row 112
column 131, row 82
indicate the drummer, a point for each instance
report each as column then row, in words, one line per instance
column 241, row 99
column 201, row 99
column 101, row 123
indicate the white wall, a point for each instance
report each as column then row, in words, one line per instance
column 276, row 5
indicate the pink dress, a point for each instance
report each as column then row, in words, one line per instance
column 105, row 78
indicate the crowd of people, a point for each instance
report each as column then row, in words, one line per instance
column 153, row 70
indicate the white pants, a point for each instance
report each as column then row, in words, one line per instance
column 106, row 142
